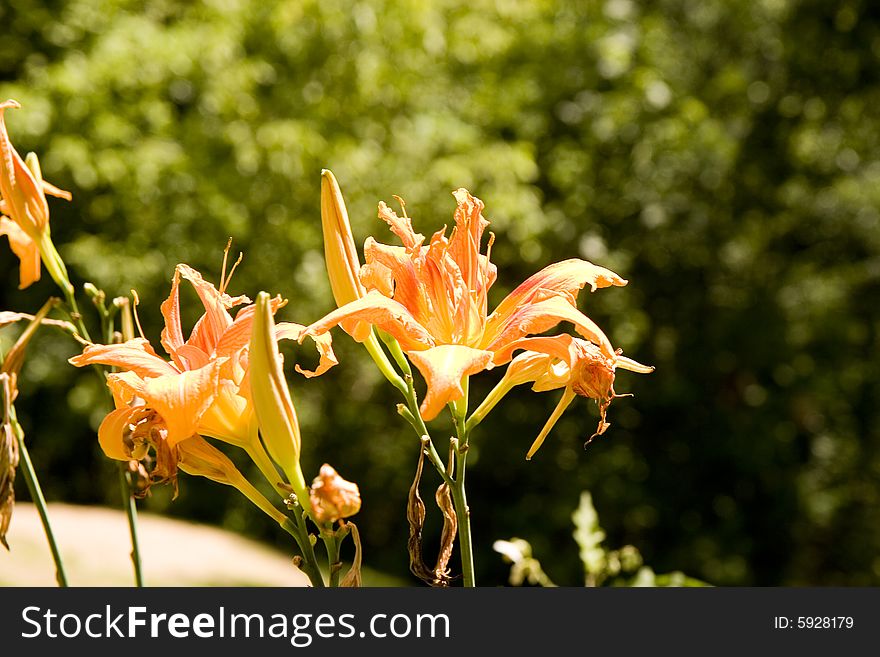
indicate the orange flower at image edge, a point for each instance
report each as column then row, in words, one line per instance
column 24, row 212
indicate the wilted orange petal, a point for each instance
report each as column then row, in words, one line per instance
column 401, row 226
column 324, row 344
column 387, row 314
column 26, row 249
column 135, row 355
column 566, row 278
column 542, row 316
column 443, row 368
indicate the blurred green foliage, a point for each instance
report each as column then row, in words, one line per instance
column 724, row 156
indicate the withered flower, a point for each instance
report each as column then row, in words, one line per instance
column 332, row 497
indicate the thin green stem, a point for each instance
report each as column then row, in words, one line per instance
column 395, row 351
column 129, row 502
column 456, row 483
column 378, row 355
column 333, row 548
column 33, row 486
column 463, row 514
column 131, row 513
column 459, row 497
column 300, row 533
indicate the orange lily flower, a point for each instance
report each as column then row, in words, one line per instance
column 433, row 299
column 203, row 390
column 24, row 210
column 562, row 361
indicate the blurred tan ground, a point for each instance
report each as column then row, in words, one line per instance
column 95, row 545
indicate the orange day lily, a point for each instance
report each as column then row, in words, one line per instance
column 562, row 361
column 24, row 212
column 203, row 390
column 432, row 298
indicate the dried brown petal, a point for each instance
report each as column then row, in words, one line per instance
column 8, row 465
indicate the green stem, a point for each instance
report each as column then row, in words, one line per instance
column 128, row 500
column 456, row 483
column 333, row 548
column 463, row 514
column 33, row 486
column 131, row 513
column 459, row 497
column 378, row 355
column 300, row 533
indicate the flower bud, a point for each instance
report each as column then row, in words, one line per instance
column 273, row 405
column 340, row 254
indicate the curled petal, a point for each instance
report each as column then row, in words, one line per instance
column 539, row 317
column 392, row 271
column 402, row 227
column 323, row 343
column 444, row 367
column 379, row 310
column 211, row 326
column 113, row 430
column 136, row 355
column 566, row 278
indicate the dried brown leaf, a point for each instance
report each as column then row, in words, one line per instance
column 443, row 496
column 352, row 578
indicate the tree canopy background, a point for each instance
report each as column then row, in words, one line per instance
column 724, row 156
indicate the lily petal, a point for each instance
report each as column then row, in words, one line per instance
column 25, row 249
column 324, row 344
column 182, row 399
column 210, row 328
column 136, row 355
column 402, row 227
column 389, row 315
column 443, row 368
column 111, row 433
column 566, row 278
column 539, row 317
